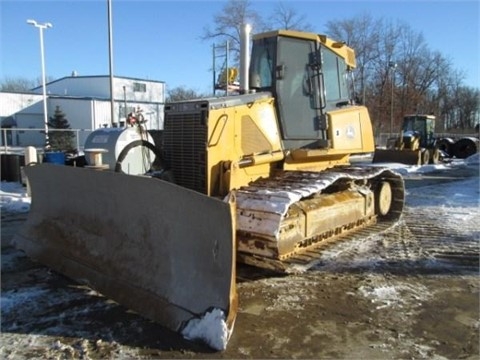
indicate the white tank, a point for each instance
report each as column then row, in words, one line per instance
column 125, row 149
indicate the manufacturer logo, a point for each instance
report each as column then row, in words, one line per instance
column 350, row 132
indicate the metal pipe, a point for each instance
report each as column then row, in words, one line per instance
column 125, row 105
column 110, row 52
column 226, row 67
column 261, row 159
column 41, row 27
column 244, row 58
column 213, row 67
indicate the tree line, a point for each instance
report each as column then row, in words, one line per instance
column 397, row 73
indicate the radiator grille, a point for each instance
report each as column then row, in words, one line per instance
column 184, row 144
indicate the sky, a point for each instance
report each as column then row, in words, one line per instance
column 160, row 40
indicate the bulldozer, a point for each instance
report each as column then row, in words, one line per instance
column 263, row 177
column 415, row 145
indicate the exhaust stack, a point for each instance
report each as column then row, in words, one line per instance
column 244, row 58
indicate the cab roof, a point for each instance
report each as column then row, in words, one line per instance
column 340, row 48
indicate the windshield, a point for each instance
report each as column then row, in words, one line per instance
column 414, row 124
column 261, row 65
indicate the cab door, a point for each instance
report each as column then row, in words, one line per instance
column 299, row 116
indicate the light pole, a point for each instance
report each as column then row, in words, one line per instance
column 393, row 66
column 110, row 65
column 41, row 27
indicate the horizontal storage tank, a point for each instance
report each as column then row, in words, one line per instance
column 130, row 150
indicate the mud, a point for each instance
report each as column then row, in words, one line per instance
column 411, row 292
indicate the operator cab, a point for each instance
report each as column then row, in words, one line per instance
column 307, row 75
column 421, row 126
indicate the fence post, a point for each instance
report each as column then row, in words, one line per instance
column 4, row 131
column 78, row 139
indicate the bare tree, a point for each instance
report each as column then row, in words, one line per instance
column 180, row 93
column 362, row 34
column 422, row 80
column 287, row 18
column 468, row 100
column 229, row 22
column 21, row 84
column 16, row 84
column 445, row 99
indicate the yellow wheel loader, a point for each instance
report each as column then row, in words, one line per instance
column 262, row 177
column 416, row 144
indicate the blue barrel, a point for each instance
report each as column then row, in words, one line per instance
column 54, row 157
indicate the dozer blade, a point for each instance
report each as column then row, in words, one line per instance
column 163, row 251
column 408, row 157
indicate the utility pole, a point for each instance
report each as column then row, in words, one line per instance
column 393, row 66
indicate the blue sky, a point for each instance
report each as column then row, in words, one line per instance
column 160, row 40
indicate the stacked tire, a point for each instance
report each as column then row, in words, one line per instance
column 445, row 145
column 460, row 149
column 465, row 147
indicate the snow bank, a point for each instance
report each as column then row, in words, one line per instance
column 473, row 160
column 13, row 197
column 211, row 328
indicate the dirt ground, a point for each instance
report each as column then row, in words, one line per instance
column 410, row 293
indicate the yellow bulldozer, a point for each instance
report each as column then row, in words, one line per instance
column 262, row 177
column 415, row 145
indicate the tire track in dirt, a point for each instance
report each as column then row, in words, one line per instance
column 442, row 236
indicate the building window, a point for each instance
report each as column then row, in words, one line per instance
column 139, row 87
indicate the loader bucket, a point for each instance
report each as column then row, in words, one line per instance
column 409, row 157
column 163, row 251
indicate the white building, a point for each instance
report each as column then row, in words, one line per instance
column 85, row 101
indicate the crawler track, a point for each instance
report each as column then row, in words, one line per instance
column 266, row 202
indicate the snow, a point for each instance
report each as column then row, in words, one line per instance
column 395, row 295
column 14, row 198
column 406, row 170
column 212, row 328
